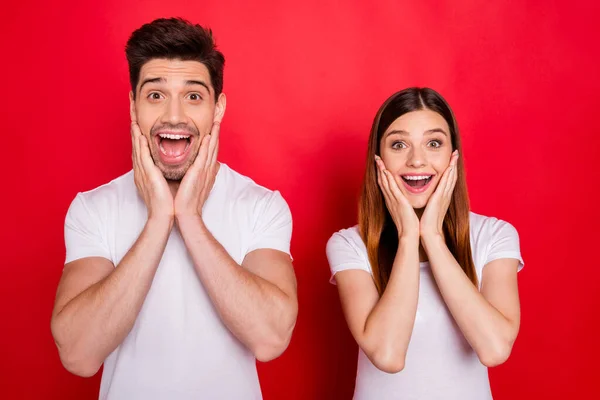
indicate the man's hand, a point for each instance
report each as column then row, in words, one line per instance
column 199, row 178
column 149, row 179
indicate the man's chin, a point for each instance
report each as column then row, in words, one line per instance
column 174, row 173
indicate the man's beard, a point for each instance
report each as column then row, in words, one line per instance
column 174, row 172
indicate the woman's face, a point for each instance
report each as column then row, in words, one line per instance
column 417, row 148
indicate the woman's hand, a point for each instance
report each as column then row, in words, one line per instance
column 432, row 220
column 404, row 216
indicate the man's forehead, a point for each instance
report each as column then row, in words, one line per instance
column 174, row 70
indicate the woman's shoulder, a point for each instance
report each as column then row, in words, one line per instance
column 348, row 239
column 481, row 224
column 346, row 250
column 493, row 238
column 351, row 235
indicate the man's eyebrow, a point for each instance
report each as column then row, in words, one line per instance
column 190, row 82
column 151, row 80
column 201, row 83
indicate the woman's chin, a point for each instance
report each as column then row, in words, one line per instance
column 418, row 203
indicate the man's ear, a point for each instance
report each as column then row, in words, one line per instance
column 132, row 112
column 220, row 108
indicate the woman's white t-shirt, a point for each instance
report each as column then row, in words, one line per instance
column 440, row 363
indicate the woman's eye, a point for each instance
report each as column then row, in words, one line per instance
column 398, row 145
column 435, row 144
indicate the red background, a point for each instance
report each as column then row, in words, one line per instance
column 304, row 81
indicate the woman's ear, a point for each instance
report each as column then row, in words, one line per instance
column 220, row 108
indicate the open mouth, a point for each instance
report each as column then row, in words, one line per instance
column 173, row 146
column 417, row 183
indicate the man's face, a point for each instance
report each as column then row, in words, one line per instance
column 175, row 107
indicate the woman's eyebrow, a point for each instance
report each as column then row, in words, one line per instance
column 435, row 130
column 396, row 132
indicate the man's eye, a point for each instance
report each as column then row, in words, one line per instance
column 195, row 97
column 154, row 96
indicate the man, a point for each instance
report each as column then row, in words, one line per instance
column 177, row 274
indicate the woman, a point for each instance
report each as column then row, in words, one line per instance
column 428, row 288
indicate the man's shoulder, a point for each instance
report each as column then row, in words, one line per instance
column 117, row 189
column 242, row 187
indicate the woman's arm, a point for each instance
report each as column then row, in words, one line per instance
column 489, row 319
column 382, row 326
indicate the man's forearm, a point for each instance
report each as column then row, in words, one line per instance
column 93, row 323
column 255, row 310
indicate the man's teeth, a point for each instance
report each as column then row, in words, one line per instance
column 172, row 136
column 417, row 178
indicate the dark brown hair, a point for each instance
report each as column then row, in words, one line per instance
column 376, row 226
column 174, row 39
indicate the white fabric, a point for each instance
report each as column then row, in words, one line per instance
column 440, row 364
column 179, row 348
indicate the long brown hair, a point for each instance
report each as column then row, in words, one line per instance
column 376, row 226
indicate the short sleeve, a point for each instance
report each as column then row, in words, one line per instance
column 343, row 254
column 504, row 243
column 273, row 224
column 83, row 236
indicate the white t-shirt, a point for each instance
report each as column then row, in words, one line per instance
column 440, row 363
column 179, row 348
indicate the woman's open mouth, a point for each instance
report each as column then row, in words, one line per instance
column 417, row 183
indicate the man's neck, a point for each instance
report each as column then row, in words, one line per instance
column 174, row 185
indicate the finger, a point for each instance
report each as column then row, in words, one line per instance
column 379, row 177
column 441, row 187
column 387, row 182
column 379, row 182
column 200, row 160
column 399, row 194
column 132, row 113
column 145, row 159
column 215, row 153
column 452, row 182
column 382, row 176
column 204, row 150
column 135, row 129
column 136, row 150
column 384, row 184
column 138, row 171
column 384, row 191
column 390, row 180
column 214, row 143
column 446, row 176
column 393, row 186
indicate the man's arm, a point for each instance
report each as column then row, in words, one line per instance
column 97, row 304
column 257, row 301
